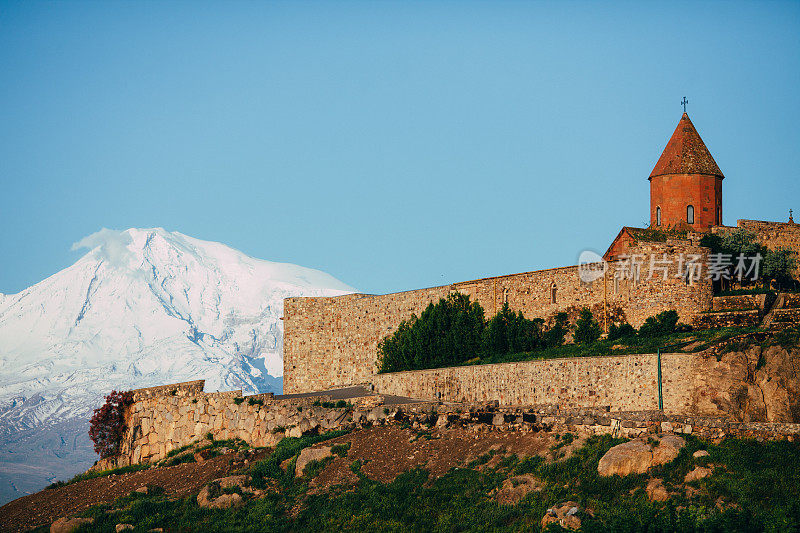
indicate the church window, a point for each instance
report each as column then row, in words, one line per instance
column 719, row 216
column 553, row 293
column 658, row 216
column 616, row 285
column 690, row 214
column 505, row 296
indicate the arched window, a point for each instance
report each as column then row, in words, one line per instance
column 505, row 296
column 658, row 216
column 553, row 293
column 690, row 214
column 719, row 216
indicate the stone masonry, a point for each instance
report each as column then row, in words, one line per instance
column 333, row 341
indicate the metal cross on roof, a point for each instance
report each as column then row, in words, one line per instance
column 684, row 102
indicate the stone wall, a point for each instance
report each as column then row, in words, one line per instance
column 622, row 383
column 164, row 418
column 726, row 319
column 751, row 393
column 332, row 342
column 738, row 302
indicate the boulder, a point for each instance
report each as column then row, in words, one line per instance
column 123, row 527
column 699, row 472
column 515, row 488
column 241, row 481
column 311, row 454
column 68, row 525
column 441, row 422
column 564, row 514
column 633, row 457
column 498, row 419
column 656, row 492
column 223, row 501
column 668, row 449
column 700, row 453
column 637, row 456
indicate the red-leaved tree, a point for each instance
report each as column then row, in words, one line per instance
column 108, row 423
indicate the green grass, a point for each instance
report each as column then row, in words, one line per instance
column 102, row 473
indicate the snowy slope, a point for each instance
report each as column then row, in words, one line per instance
column 144, row 307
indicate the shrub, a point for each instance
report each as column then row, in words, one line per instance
column 587, row 329
column 444, row 334
column 108, row 423
column 555, row 335
column 340, row 449
column 238, row 401
column 661, row 324
column 509, row 332
column 253, row 401
column 618, row 332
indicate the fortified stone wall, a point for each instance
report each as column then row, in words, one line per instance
column 333, row 342
column 624, row 383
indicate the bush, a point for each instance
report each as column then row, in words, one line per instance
column 661, row 324
column 555, row 335
column 619, row 332
column 108, row 423
column 445, row 334
column 509, row 332
column 587, row 329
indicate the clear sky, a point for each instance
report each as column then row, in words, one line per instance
column 393, row 145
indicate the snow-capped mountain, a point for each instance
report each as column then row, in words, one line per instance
column 143, row 307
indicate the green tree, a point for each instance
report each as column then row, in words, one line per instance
column 555, row 335
column 587, row 329
column 509, row 332
column 445, row 334
column 738, row 247
column 618, row 332
column 661, row 324
column 779, row 265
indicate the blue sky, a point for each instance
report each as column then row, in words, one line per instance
column 393, row 145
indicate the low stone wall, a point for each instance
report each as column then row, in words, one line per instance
column 726, row 319
column 164, row 418
column 738, row 302
column 787, row 316
column 791, row 300
column 628, row 383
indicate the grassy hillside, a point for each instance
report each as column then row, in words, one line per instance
column 755, row 486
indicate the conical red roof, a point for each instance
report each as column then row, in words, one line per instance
column 686, row 153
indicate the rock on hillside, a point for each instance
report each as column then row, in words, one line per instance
column 758, row 384
column 637, row 456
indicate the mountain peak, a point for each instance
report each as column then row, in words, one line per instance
column 143, row 307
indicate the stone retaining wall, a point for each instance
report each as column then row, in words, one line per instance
column 628, row 382
column 162, row 419
column 738, row 302
column 726, row 319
